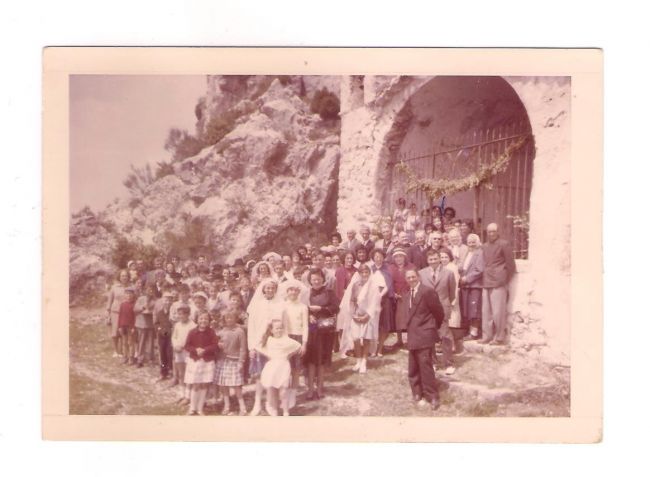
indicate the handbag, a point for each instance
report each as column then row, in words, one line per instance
column 326, row 324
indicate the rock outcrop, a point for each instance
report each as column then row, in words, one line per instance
column 270, row 183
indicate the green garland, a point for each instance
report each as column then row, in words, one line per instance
column 437, row 188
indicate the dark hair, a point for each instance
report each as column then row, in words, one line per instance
column 184, row 288
column 198, row 316
column 234, row 293
column 378, row 250
column 401, row 200
column 315, row 271
column 337, row 235
column 448, row 252
column 432, row 252
column 453, row 211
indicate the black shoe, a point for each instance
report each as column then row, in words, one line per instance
column 139, row 365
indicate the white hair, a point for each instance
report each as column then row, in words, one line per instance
column 475, row 237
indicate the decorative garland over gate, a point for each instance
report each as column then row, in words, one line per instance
column 437, row 188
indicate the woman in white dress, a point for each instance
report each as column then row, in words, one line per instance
column 360, row 309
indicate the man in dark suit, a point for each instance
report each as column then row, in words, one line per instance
column 425, row 315
column 364, row 231
column 417, row 253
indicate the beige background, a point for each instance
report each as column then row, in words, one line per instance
column 585, row 68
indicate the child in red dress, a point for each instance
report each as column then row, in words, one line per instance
column 201, row 344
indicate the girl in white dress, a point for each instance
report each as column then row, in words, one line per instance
column 276, row 375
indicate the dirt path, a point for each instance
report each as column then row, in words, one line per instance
column 489, row 381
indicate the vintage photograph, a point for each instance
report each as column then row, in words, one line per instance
column 320, row 245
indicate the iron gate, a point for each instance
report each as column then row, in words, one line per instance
column 507, row 203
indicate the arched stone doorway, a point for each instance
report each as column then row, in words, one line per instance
column 445, row 129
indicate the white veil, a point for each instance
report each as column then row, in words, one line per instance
column 261, row 311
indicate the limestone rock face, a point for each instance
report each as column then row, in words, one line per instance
column 91, row 242
column 269, row 183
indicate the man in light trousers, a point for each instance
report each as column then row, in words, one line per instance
column 499, row 269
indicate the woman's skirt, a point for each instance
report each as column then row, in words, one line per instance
column 470, row 305
column 360, row 331
column 387, row 315
column 228, row 372
column 401, row 314
column 320, row 345
column 199, row 371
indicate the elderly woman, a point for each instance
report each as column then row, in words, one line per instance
column 471, row 283
column 398, row 273
column 323, row 307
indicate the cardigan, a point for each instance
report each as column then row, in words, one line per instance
column 206, row 339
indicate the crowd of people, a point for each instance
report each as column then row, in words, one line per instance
column 425, row 278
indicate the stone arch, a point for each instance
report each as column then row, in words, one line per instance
column 427, row 115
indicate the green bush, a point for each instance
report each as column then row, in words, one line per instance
column 198, row 109
column 164, row 169
column 182, row 144
column 218, row 127
column 193, row 240
column 125, row 250
column 325, row 104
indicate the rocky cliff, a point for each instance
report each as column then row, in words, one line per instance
column 269, row 183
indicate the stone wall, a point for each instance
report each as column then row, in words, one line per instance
column 371, row 133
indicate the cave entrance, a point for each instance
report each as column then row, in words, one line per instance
column 450, row 128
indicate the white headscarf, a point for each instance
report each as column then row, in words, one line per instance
column 261, row 311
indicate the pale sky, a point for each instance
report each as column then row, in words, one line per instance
column 118, row 120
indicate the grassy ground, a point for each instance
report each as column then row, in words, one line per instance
column 488, row 382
